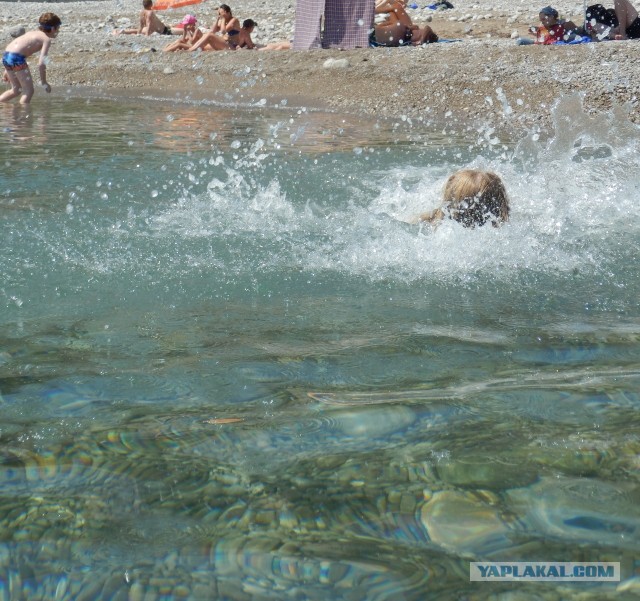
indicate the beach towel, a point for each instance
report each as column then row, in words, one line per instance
column 577, row 40
column 374, row 44
column 346, row 24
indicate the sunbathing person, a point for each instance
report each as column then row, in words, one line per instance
column 239, row 39
column 550, row 29
column 191, row 34
column 397, row 28
column 618, row 23
column 149, row 22
column 628, row 21
column 226, row 24
column 243, row 39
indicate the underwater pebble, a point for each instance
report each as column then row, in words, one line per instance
column 460, row 521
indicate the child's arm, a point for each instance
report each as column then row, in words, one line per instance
column 42, row 64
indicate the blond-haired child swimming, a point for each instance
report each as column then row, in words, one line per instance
column 472, row 198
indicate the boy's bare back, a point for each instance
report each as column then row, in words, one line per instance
column 30, row 43
column 150, row 22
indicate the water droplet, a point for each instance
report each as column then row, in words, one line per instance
column 199, row 80
column 236, row 144
column 170, row 117
column 69, row 209
column 154, row 193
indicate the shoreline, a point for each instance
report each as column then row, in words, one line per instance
column 479, row 81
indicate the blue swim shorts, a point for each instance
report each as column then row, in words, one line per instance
column 13, row 61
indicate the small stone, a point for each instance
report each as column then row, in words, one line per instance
column 16, row 32
column 336, row 63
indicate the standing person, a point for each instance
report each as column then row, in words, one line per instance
column 346, row 24
column 15, row 59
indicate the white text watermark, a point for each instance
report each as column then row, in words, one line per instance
column 544, row 570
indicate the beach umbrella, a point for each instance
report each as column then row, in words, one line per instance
column 169, row 4
column 584, row 14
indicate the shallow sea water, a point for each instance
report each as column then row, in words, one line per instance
column 229, row 370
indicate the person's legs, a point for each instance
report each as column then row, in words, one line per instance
column 26, row 83
column 402, row 16
column 391, row 35
column 626, row 14
column 21, row 83
column 210, row 41
column 15, row 89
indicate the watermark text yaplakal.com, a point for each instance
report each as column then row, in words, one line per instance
column 544, row 571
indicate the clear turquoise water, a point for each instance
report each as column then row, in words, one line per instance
column 228, row 370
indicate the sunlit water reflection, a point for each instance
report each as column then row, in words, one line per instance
column 229, row 370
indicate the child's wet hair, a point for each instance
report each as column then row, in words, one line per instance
column 49, row 21
column 473, row 197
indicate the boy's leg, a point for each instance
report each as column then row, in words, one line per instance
column 15, row 90
column 26, row 83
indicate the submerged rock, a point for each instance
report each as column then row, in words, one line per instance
column 464, row 523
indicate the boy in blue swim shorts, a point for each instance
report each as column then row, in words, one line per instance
column 15, row 64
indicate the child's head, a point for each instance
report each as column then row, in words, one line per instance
column 49, row 23
column 548, row 16
column 189, row 22
column 147, row 4
column 473, row 197
column 249, row 24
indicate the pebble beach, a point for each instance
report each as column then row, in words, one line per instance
column 483, row 77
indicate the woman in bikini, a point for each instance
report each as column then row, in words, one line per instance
column 223, row 34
